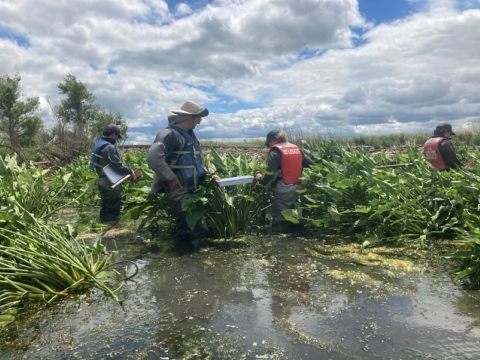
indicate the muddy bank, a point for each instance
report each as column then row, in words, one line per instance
column 273, row 298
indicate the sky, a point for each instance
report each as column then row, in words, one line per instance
column 319, row 67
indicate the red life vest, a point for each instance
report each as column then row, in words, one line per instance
column 291, row 159
column 432, row 152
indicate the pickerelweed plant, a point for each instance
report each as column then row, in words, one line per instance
column 347, row 193
column 230, row 210
column 80, row 174
column 41, row 192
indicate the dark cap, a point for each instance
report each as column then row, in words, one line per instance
column 272, row 135
column 444, row 127
column 112, row 129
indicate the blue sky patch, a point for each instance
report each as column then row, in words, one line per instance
column 93, row 66
column 309, row 53
column 466, row 5
column 360, row 40
column 21, row 40
column 379, row 11
column 111, row 71
column 195, row 4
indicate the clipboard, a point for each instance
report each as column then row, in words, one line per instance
column 112, row 175
column 116, row 179
column 138, row 177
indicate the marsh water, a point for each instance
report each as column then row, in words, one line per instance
column 274, row 298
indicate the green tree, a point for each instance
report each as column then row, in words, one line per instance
column 104, row 118
column 18, row 122
column 78, row 109
column 80, row 119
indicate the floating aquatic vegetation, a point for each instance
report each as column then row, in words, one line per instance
column 43, row 262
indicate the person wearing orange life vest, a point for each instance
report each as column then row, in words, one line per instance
column 287, row 161
column 439, row 150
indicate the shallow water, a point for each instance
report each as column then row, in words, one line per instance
column 279, row 298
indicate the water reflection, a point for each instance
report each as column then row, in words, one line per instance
column 191, row 290
column 284, row 299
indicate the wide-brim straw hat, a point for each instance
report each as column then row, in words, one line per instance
column 192, row 109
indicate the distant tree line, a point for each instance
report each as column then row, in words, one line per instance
column 79, row 122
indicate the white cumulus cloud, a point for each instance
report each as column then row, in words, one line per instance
column 313, row 65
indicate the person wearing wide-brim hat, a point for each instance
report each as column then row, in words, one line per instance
column 105, row 153
column 439, row 149
column 177, row 161
column 285, row 165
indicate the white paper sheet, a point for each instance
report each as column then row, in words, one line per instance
column 245, row 179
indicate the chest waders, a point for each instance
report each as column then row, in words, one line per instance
column 111, row 199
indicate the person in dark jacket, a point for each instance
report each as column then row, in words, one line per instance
column 176, row 159
column 439, row 149
column 286, row 161
column 105, row 153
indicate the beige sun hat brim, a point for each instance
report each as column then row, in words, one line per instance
column 203, row 113
column 191, row 108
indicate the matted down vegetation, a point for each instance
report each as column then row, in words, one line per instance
column 41, row 260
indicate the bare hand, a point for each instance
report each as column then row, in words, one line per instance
column 174, row 184
column 216, row 178
column 258, row 176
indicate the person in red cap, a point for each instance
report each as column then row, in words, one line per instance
column 285, row 164
column 439, row 149
column 105, row 153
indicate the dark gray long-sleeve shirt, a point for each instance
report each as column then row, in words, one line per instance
column 108, row 155
column 448, row 155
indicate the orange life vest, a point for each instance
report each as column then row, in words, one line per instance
column 431, row 149
column 291, row 158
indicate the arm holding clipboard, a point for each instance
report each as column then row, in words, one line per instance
column 116, row 179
